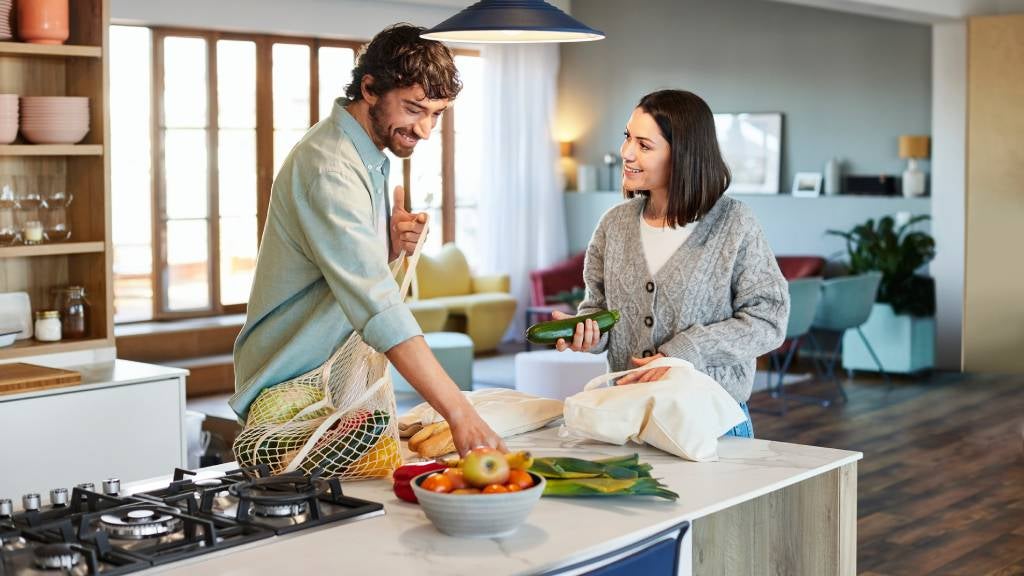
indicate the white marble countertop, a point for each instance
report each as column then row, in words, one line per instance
column 105, row 375
column 559, row 531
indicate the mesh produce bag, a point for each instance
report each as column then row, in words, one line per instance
column 337, row 418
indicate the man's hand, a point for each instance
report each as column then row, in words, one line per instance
column 587, row 334
column 406, row 227
column 469, row 431
column 645, row 375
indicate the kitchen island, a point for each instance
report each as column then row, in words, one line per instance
column 764, row 508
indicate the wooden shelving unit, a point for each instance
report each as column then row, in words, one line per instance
column 77, row 68
column 61, row 51
column 51, row 149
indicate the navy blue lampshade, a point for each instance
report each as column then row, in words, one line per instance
column 511, row 22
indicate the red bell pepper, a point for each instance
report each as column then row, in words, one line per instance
column 404, row 474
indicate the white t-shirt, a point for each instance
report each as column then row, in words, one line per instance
column 660, row 243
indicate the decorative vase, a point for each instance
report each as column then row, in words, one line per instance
column 832, row 175
column 913, row 180
column 43, row 21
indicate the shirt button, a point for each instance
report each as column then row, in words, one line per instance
column 650, row 286
column 648, row 353
column 648, row 321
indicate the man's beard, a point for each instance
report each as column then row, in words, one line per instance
column 381, row 133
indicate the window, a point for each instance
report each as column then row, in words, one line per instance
column 193, row 158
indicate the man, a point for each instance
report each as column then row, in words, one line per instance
column 322, row 269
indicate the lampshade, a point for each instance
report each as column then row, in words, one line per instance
column 914, row 146
column 512, row 22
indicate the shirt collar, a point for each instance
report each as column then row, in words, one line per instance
column 373, row 158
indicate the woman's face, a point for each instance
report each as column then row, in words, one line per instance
column 646, row 155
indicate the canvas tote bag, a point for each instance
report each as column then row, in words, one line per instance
column 684, row 413
column 338, row 418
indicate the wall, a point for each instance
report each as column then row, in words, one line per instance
column 949, row 135
column 993, row 307
column 848, row 85
column 775, row 213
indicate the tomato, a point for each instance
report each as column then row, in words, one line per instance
column 510, row 487
column 520, row 478
column 437, row 482
column 495, row 489
column 456, row 478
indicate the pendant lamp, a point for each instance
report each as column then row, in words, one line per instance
column 512, row 22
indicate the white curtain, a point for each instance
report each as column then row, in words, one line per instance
column 522, row 220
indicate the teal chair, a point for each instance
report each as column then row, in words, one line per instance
column 804, row 295
column 845, row 304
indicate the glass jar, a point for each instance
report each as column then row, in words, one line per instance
column 74, row 312
column 9, row 232
column 56, row 227
column 48, row 326
column 30, row 216
column 32, row 233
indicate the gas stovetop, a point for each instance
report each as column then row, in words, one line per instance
column 106, row 532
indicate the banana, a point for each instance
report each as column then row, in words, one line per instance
column 519, row 460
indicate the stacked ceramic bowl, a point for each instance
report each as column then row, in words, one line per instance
column 54, row 119
column 8, row 118
column 6, row 32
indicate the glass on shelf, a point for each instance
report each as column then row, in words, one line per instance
column 74, row 311
column 56, row 227
column 30, row 214
column 10, row 234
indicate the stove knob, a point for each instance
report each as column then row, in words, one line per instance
column 111, row 486
column 6, row 508
column 30, row 502
column 87, row 486
column 59, row 496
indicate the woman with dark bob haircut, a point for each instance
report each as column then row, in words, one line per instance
column 688, row 268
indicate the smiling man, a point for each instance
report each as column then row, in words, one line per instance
column 322, row 269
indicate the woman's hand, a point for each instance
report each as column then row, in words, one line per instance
column 586, row 337
column 469, row 431
column 651, row 375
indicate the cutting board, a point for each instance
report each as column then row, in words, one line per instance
column 17, row 378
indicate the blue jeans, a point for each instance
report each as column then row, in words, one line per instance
column 743, row 429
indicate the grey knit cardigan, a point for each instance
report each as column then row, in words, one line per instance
column 719, row 302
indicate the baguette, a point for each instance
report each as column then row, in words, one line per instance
column 424, row 433
column 407, row 431
column 439, row 444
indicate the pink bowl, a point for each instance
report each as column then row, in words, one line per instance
column 8, row 131
column 53, row 135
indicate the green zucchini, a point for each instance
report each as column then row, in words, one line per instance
column 549, row 332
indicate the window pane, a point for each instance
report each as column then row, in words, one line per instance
column 467, row 226
column 184, row 82
column 468, row 136
column 425, row 178
column 335, row 66
column 237, row 173
column 130, row 161
column 237, row 258
column 284, row 141
column 185, row 171
column 188, row 274
column 291, row 86
column 236, row 84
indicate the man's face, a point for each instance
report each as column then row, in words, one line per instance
column 402, row 117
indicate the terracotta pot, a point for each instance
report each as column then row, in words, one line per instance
column 43, row 21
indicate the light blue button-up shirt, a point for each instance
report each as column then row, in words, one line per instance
column 322, row 269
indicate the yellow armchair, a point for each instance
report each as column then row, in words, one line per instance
column 479, row 306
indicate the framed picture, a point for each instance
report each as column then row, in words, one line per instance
column 807, row 184
column 752, row 147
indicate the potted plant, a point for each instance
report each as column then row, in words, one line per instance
column 901, row 327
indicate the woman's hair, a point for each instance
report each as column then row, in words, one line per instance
column 398, row 58
column 698, row 175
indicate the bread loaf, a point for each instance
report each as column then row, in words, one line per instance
column 439, row 443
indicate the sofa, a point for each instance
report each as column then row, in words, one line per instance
column 561, row 277
column 478, row 306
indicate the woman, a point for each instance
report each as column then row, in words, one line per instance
column 688, row 268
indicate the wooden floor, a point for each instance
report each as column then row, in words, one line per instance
column 941, row 485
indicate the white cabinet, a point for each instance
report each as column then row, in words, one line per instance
column 124, row 421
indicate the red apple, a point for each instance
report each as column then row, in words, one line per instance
column 485, row 466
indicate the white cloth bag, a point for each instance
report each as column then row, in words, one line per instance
column 507, row 412
column 684, row 413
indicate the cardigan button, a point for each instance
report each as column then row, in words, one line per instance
column 648, row 321
column 650, row 286
column 648, row 354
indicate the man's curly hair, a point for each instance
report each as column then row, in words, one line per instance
column 398, row 58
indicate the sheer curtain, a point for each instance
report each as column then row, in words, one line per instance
column 522, row 220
